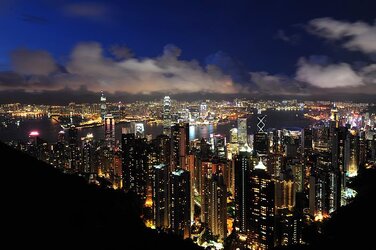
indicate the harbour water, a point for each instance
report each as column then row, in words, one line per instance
column 48, row 129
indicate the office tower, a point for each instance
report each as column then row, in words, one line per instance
column 242, row 189
column 352, row 153
column 139, row 130
column 73, row 150
column 33, row 144
column 162, row 146
column 217, row 205
column 334, row 116
column 307, row 138
column 179, row 146
column 261, row 122
column 109, row 130
column 134, row 164
column 103, row 106
column 72, row 135
column 285, row 190
column 321, row 138
column 218, row 144
column 203, row 110
column 260, row 143
column 288, row 228
column 180, row 199
column 262, row 207
column 242, row 131
column 160, row 196
column 207, row 170
column 234, row 135
column 167, row 116
column 324, row 192
column 87, row 153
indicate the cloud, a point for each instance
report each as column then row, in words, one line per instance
column 283, row 36
column 357, row 36
column 329, row 76
column 90, row 10
column 121, row 52
column 32, row 62
column 165, row 73
column 278, row 84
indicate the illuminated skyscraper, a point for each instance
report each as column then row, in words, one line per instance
column 103, row 106
column 234, row 135
column 134, row 164
column 203, row 110
column 180, row 203
column 217, row 205
column 242, row 189
column 179, row 146
column 167, row 116
column 262, row 207
column 87, row 164
column 260, row 143
column 109, row 130
column 160, row 196
column 242, row 131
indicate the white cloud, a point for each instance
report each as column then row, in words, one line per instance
column 358, row 36
column 329, row 76
column 161, row 74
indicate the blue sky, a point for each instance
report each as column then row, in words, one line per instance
column 275, row 38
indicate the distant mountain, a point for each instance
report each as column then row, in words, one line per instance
column 44, row 208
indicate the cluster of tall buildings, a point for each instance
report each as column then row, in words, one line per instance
column 242, row 190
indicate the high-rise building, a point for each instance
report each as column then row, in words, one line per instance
column 109, row 130
column 261, row 122
column 242, row 189
column 260, row 143
column 134, row 164
column 218, row 145
column 179, row 146
column 87, row 154
column 217, row 205
column 180, row 203
column 262, row 207
column 103, row 106
column 234, row 135
column 160, row 196
column 167, row 116
column 242, row 131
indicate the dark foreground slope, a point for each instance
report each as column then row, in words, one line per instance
column 44, row 208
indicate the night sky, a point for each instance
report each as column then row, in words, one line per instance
column 142, row 48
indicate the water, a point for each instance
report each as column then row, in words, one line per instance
column 49, row 129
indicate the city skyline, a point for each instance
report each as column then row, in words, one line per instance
column 222, row 125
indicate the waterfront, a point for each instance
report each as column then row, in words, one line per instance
column 49, row 129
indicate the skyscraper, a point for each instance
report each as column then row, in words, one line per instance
column 103, row 105
column 180, row 203
column 217, row 205
column 160, row 196
column 134, row 164
column 109, row 130
column 167, row 116
column 242, row 189
column 260, row 143
column 262, row 207
column 179, row 146
column 242, row 131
